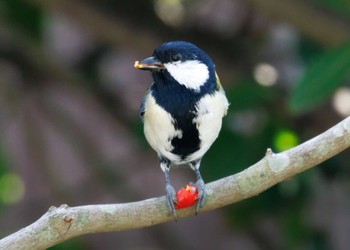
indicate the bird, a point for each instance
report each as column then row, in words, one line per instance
column 182, row 110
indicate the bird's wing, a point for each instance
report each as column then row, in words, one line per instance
column 142, row 106
column 218, row 83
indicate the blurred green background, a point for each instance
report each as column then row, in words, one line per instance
column 70, row 131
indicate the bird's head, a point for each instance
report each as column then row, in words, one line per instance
column 182, row 61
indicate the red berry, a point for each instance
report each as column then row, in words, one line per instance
column 186, row 197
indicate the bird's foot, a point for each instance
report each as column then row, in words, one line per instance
column 201, row 194
column 171, row 199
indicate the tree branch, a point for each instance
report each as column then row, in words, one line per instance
column 60, row 224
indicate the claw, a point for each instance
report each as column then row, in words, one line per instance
column 199, row 184
column 171, row 199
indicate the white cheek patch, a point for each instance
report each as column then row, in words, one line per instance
column 192, row 74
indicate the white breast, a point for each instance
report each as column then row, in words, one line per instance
column 159, row 129
column 211, row 109
column 192, row 74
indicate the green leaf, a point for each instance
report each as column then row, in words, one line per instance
column 320, row 79
column 339, row 6
column 23, row 15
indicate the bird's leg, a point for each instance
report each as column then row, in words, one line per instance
column 170, row 191
column 170, row 195
column 201, row 190
column 199, row 184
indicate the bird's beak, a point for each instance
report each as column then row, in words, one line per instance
column 149, row 63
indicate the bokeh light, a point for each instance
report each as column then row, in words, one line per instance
column 171, row 12
column 341, row 101
column 285, row 139
column 265, row 74
column 11, row 188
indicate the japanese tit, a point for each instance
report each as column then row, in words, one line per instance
column 182, row 110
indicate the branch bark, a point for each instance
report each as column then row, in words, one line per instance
column 62, row 223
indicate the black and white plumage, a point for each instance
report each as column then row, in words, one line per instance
column 183, row 109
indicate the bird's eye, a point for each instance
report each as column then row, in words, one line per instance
column 176, row 57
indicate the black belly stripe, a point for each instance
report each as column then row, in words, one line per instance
column 189, row 142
